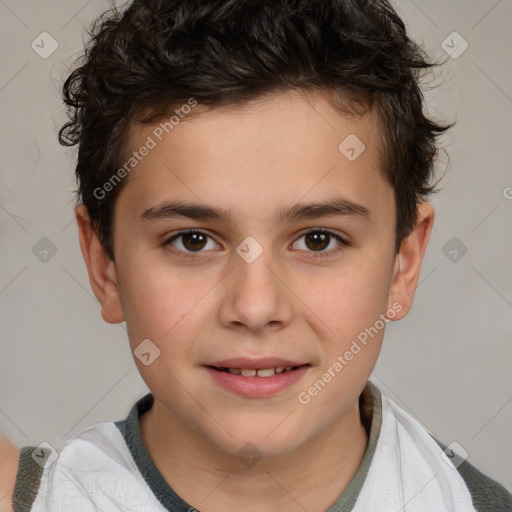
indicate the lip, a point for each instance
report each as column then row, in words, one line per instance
column 257, row 387
column 255, row 364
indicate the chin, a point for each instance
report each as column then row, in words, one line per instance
column 257, row 443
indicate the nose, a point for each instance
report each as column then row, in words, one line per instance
column 256, row 298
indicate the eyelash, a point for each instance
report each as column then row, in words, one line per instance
column 316, row 255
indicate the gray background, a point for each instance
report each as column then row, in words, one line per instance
column 448, row 362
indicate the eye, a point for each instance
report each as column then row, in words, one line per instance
column 190, row 242
column 318, row 240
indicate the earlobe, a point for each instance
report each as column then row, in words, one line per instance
column 101, row 269
column 407, row 265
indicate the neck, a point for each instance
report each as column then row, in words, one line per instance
column 309, row 478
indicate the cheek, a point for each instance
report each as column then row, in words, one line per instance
column 162, row 305
column 167, row 310
column 348, row 300
column 352, row 311
column 352, row 305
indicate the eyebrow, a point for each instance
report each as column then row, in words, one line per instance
column 302, row 211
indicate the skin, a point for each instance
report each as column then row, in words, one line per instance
column 8, row 468
column 252, row 160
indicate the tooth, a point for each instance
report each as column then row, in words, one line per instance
column 267, row 372
column 288, row 368
column 234, row 371
column 280, row 369
column 248, row 373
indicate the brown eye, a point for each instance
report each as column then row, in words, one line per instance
column 194, row 241
column 317, row 241
column 191, row 241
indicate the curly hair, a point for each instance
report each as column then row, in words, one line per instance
column 156, row 54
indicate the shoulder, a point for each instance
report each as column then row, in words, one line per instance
column 97, row 454
column 487, row 494
column 423, row 452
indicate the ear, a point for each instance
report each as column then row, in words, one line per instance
column 408, row 261
column 101, row 269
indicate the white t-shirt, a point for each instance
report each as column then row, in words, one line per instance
column 106, row 467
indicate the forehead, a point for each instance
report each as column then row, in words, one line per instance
column 275, row 149
column 293, row 114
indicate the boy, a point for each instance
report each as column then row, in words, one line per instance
column 219, row 143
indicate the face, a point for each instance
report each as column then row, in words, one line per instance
column 247, row 240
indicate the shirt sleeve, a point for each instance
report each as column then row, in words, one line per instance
column 487, row 494
column 28, row 479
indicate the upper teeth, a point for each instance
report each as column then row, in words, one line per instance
column 265, row 372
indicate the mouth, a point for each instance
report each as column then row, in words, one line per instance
column 256, row 378
column 258, row 372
